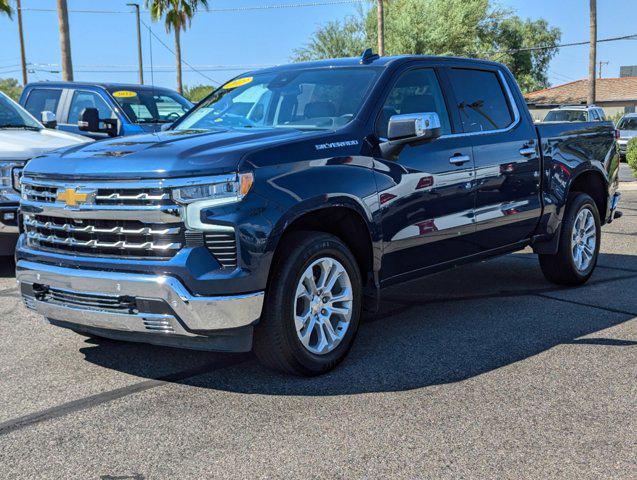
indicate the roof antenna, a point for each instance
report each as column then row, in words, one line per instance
column 368, row 56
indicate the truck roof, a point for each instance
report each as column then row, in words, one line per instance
column 106, row 85
column 377, row 62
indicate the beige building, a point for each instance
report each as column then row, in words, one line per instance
column 613, row 95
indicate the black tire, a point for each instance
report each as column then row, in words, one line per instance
column 276, row 343
column 560, row 268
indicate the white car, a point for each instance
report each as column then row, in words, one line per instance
column 627, row 127
column 22, row 137
column 576, row 113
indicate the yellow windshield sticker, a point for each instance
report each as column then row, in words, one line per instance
column 239, row 82
column 124, row 94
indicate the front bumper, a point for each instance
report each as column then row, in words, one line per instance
column 148, row 308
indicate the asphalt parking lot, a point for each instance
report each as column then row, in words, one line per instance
column 486, row 371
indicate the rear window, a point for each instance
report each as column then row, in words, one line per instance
column 566, row 116
column 628, row 123
column 43, row 100
column 481, row 100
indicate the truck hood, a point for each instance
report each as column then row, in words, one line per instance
column 16, row 144
column 160, row 155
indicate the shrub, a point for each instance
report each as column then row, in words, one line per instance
column 198, row 92
column 631, row 154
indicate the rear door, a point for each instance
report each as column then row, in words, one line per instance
column 426, row 195
column 43, row 100
column 505, row 153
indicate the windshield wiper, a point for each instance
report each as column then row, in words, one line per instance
column 17, row 125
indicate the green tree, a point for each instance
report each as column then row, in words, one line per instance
column 11, row 87
column 470, row 28
column 346, row 38
column 178, row 16
column 631, row 154
column 197, row 92
column 5, row 8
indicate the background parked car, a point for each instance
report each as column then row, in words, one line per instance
column 21, row 138
column 627, row 127
column 576, row 113
column 113, row 109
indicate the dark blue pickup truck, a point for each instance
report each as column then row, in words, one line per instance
column 277, row 209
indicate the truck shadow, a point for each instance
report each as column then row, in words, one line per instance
column 7, row 267
column 428, row 332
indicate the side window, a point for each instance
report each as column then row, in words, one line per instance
column 82, row 100
column 594, row 115
column 416, row 91
column 602, row 115
column 481, row 100
column 42, row 100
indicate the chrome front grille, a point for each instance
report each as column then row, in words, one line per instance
column 103, row 237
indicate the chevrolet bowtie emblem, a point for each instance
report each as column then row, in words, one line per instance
column 72, row 197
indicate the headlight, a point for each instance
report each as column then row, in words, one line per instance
column 16, row 175
column 222, row 190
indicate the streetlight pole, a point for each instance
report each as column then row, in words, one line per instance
column 381, row 27
column 21, row 35
column 139, row 43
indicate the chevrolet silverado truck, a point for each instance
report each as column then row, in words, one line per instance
column 278, row 208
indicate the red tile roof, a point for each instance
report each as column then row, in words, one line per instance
column 608, row 90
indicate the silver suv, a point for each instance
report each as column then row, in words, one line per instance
column 576, row 113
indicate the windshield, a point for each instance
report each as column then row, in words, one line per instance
column 628, row 123
column 151, row 106
column 13, row 116
column 566, row 116
column 316, row 99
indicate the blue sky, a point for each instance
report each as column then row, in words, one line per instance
column 241, row 40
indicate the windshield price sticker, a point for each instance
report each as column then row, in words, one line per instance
column 124, row 94
column 239, row 82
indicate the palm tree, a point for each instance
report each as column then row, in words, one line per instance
column 178, row 16
column 6, row 8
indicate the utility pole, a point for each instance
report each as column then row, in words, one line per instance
column 601, row 64
column 381, row 27
column 23, row 59
column 65, row 41
column 139, row 43
column 592, row 55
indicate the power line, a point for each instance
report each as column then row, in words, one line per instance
column 572, row 44
column 280, row 6
column 173, row 52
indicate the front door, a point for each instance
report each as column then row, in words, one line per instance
column 426, row 196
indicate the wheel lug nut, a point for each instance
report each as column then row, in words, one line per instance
column 325, row 299
column 323, row 312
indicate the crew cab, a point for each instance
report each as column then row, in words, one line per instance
column 21, row 137
column 278, row 208
column 103, row 110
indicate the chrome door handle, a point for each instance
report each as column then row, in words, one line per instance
column 459, row 159
column 527, row 151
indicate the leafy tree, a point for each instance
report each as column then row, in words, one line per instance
column 470, row 28
column 178, row 16
column 11, row 87
column 335, row 39
column 198, row 92
column 5, row 8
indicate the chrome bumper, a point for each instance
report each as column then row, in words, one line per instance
column 155, row 305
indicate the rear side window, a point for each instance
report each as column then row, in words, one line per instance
column 42, row 100
column 481, row 100
column 416, row 91
column 82, row 100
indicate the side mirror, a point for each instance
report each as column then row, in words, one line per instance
column 48, row 119
column 409, row 129
column 89, row 120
